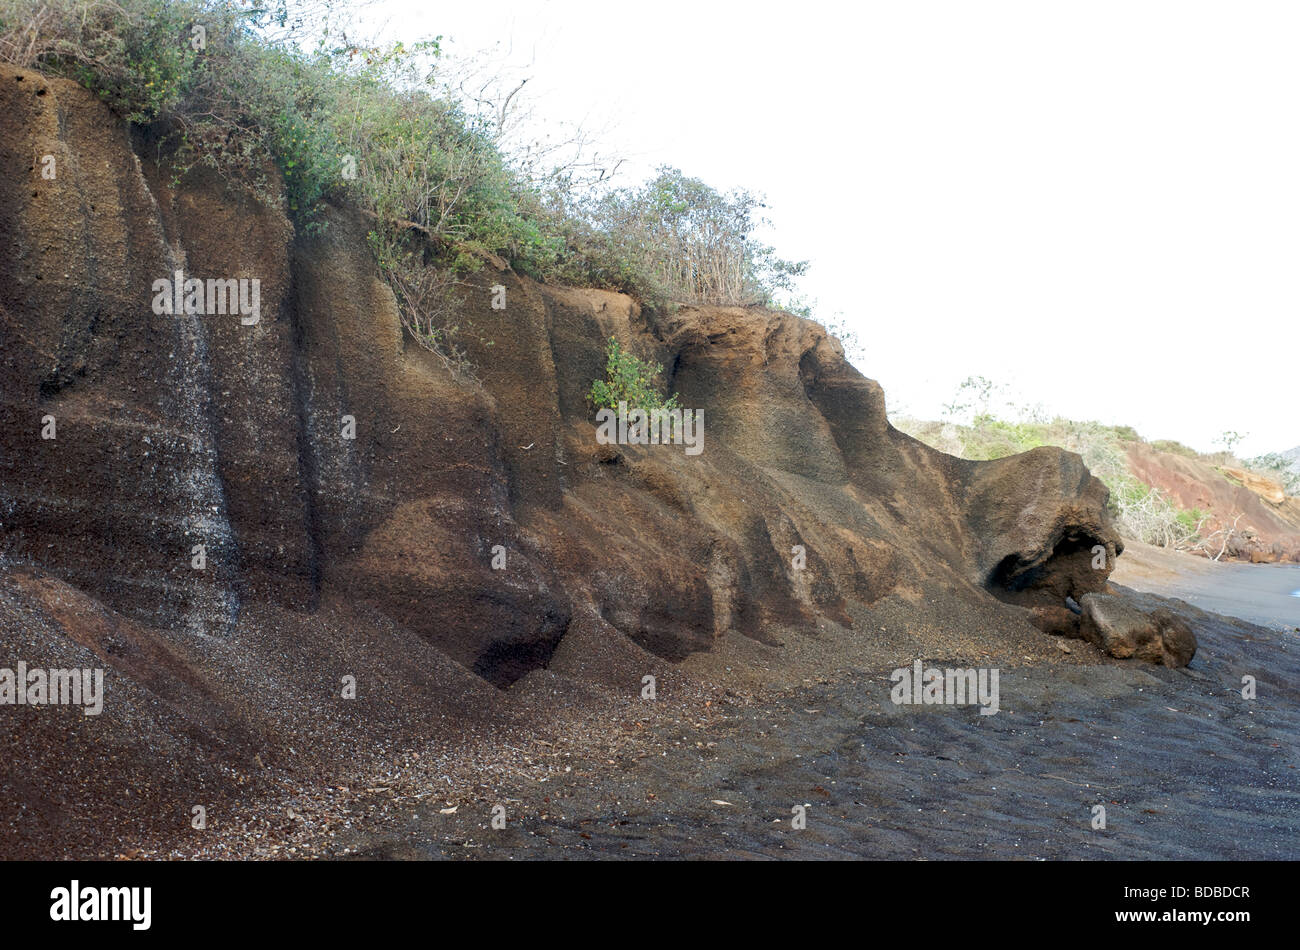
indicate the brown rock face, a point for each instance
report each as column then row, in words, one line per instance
column 1047, row 529
column 1060, row 621
column 319, row 450
column 1123, row 631
column 174, row 431
column 360, row 506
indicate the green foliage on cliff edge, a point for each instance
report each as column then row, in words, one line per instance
column 251, row 86
column 631, row 380
column 239, row 87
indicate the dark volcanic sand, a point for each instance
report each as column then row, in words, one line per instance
column 1185, row 767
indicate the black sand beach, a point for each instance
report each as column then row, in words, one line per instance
column 1185, row 767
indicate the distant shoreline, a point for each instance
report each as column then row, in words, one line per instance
column 1261, row 593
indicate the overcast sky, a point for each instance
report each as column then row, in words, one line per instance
column 1095, row 203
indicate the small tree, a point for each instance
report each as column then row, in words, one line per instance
column 678, row 239
column 975, row 393
column 1230, row 440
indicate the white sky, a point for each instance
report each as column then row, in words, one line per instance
column 1095, row 203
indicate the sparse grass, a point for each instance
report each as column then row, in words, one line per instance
column 1175, row 448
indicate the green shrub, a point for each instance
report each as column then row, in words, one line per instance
column 676, row 239
column 630, row 380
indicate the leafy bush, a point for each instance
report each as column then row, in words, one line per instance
column 677, row 239
column 631, row 380
column 136, row 56
column 201, row 78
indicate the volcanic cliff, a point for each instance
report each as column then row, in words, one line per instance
column 808, row 531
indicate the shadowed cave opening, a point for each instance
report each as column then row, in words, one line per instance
column 503, row 662
column 1064, row 575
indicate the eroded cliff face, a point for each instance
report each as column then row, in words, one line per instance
column 373, row 556
column 1255, row 519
